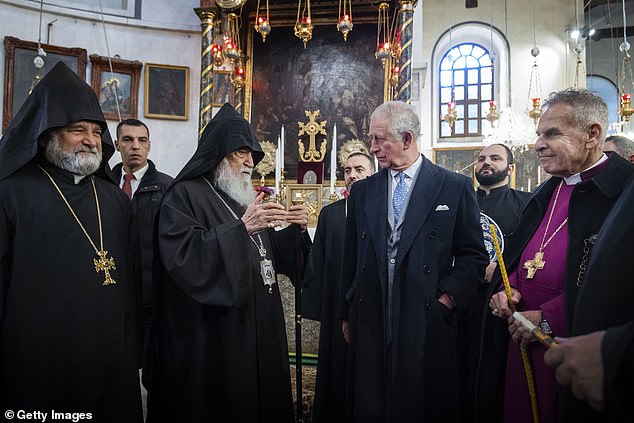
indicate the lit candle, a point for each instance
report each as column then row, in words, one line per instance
column 280, row 143
column 277, row 169
column 333, row 159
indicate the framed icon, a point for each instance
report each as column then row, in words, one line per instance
column 118, row 90
column 166, row 91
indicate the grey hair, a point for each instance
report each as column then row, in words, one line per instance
column 400, row 118
column 623, row 146
column 588, row 108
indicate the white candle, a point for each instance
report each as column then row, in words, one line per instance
column 277, row 169
column 539, row 175
column 333, row 159
column 529, row 184
column 280, row 143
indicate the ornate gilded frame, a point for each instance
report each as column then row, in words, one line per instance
column 166, row 92
column 311, row 194
column 126, row 74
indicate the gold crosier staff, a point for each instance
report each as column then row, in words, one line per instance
column 527, row 364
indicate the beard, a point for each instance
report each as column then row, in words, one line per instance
column 492, row 178
column 237, row 186
column 81, row 165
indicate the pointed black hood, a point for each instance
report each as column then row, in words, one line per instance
column 227, row 132
column 60, row 99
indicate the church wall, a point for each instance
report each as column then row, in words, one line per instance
column 169, row 34
column 556, row 61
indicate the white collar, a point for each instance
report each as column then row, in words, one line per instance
column 576, row 178
column 411, row 170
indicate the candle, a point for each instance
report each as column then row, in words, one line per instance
column 333, row 160
column 277, row 169
column 280, row 143
column 529, row 184
column 539, row 175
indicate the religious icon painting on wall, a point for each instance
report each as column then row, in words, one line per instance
column 343, row 80
column 223, row 88
column 166, row 91
column 460, row 160
column 116, row 83
column 20, row 74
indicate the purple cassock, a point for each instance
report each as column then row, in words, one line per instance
column 545, row 292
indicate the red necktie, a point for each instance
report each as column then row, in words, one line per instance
column 127, row 186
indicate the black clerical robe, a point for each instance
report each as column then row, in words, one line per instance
column 219, row 333
column 504, row 205
column 319, row 302
column 67, row 342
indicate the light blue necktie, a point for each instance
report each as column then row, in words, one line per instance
column 399, row 197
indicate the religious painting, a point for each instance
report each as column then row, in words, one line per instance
column 528, row 171
column 343, row 80
column 308, row 194
column 118, row 91
column 166, row 91
column 223, row 89
column 459, row 160
column 20, row 73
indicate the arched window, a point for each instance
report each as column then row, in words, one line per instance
column 466, row 79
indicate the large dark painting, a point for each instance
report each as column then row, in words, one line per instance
column 342, row 80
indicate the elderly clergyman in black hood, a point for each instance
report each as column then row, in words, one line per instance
column 68, row 338
column 219, row 326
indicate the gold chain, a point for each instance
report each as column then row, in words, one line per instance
column 544, row 244
column 103, row 264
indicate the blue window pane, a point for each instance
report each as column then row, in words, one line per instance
column 460, row 111
column 460, row 63
column 445, row 130
column 486, row 92
column 445, row 78
column 466, row 49
column 472, row 92
column 458, row 77
column 445, row 95
column 472, row 63
column 484, row 107
column 459, row 93
column 472, row 76
column 478, row 51
column 485, row 60
column 486, row 75
column 472, row 111
column 446, row 63
column 459, row 127
column 473, row 126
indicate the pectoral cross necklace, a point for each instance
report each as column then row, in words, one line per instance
column 103, row 264
column 267, row 271
column 538, row 263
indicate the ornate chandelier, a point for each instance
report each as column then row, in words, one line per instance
column 232, row 38
column 304, row 23
column 383, row 48
column 345, row 18
column 262, row 23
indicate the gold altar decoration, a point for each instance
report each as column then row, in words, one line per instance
column 535, row 89
column 312, row 128
column 345, row 18
column 304, row 22
column 352, row 147
column 216, row 52
column 310, row 194
column 626, row 111
column 267, row 164
column 536, row 111
column 262, row 23
column 238, row 76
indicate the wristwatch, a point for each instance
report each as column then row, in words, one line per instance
column 544, row 326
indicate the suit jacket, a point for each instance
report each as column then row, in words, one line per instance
column 590, row 203
column 441, row 249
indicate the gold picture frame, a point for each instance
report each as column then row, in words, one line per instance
column 311, row 194
column 166, row 92
column 122, row 82
column 19, row 70
column 223, row 89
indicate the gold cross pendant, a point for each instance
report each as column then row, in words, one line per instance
column 105, row 265
column 537, row 263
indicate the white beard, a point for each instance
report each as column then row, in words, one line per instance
column 238, row 187
column 77, row 164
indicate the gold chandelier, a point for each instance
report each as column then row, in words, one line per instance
column 383, row 48
column 345, row 18
column 263, row 24
column 232, row 38
column 304, row 22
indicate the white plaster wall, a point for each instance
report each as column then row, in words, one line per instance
column 556, row 62
column 173, row 142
